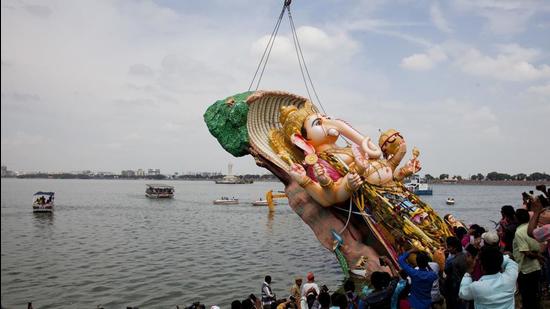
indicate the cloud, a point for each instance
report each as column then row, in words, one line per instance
column 20, row 97
column 424, row 61
column 543, row 90
column 145, row 71
column 387, row 28
column 504, row 17
column 39, row 10
column 320, row 46
column 438, row 19
column 140, row 70
column 511, row 63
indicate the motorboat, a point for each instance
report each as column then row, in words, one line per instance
column 43, row 201
column 450, row 201
column 261, row 202
column 419, row 186
column 159, row 191
column 226, row 201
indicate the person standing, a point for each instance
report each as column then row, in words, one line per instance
column 455, row 267
column 527, row 255
column 296, row 291
column 507, row 227
column 494, row 289
column 310, row 286
column 422, row 279
column 268, row 297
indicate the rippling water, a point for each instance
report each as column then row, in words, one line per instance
column 106, row 244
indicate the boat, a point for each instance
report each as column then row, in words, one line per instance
column 419, row 186
column 450, row 201
column 226, row 201
column 261, row 202
column 43, row 201
column 231, row 179
column 159, row 191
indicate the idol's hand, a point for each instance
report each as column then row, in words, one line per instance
column 354, row 181
column 321, row 174
column 298, row 173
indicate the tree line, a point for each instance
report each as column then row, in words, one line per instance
column 495, row 176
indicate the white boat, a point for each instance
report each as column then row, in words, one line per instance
column 450, row 201
column 43, row 201
column 159, row 191
column 261, row 202
column 226, row 201
column 419, row 186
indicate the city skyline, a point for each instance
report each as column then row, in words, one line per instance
column 467, row 82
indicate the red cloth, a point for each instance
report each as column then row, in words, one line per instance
column 404, row 304
column 465, row 240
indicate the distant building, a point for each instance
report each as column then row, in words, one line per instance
column 153, row 172
column 128, row 173
column 140, row 173
column 103, row 174
column 7, row 173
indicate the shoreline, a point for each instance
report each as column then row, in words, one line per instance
column 532, row 183
column 529, row 183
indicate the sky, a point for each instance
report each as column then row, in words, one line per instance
column 116, row 85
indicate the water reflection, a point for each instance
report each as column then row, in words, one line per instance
column 270, row 217
column 43, row 218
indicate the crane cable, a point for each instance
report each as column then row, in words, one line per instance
column 301, row 62
column 268, row 48
column 299, row 54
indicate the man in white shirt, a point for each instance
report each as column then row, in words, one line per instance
column 495, row 289
column 310, row 286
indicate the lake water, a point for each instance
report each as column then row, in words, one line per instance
column 107, row 244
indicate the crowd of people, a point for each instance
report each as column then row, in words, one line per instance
column 479, row 268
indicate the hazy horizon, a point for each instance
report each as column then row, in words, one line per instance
column 111, row 86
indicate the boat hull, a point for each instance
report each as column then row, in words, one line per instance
column 42, row 208
column 155, row 196
column 261, row 203
column 223, row 202
column 423, row 192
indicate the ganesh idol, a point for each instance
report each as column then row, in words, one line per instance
column 364, row 172
column 352, row 197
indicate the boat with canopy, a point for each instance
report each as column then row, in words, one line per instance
column 43, row 202
column 159, row 191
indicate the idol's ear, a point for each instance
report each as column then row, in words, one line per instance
column 301, row 143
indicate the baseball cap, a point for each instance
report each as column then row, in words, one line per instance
column 490, row 238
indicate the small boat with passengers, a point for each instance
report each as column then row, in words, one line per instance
column 261, row 202
column 226, row 201
column 43, row 201
column 159, row 191
column 450, row 201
